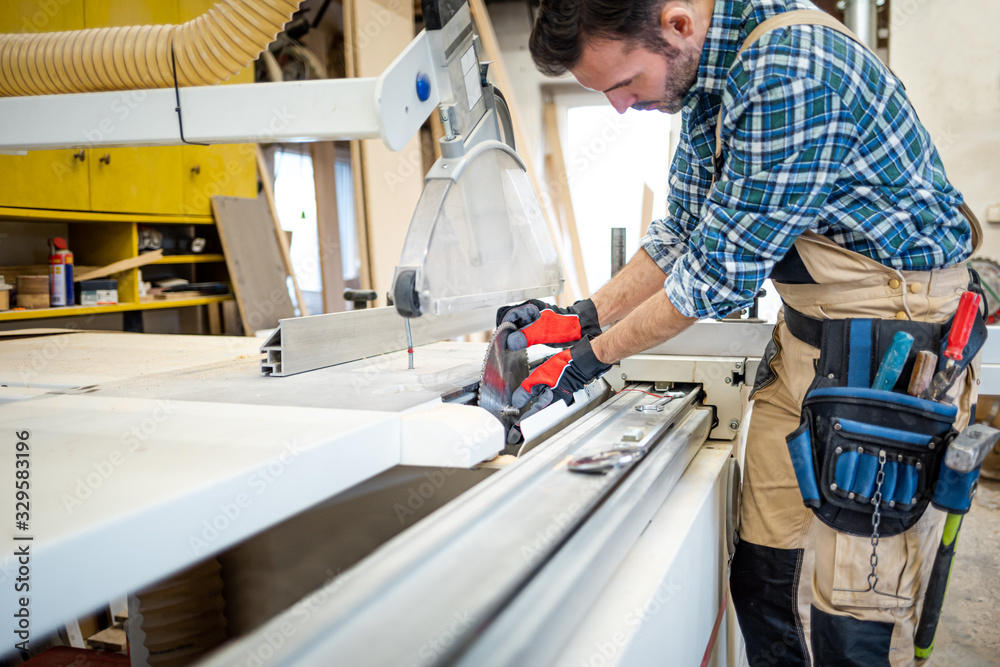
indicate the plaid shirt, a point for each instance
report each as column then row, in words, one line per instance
column 817, row 135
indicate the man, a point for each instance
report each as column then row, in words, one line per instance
column 828, row 181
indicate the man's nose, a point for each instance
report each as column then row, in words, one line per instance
column 621, row 100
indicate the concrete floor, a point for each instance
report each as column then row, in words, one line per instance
column 969, row 635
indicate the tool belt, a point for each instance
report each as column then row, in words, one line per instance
column 856, row 446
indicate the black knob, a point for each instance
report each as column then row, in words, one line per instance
column 359, row 297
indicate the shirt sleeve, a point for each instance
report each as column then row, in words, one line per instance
column 788, row 143
column 666, row 239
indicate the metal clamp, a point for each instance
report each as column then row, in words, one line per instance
column 607, row 460
column 657, row 406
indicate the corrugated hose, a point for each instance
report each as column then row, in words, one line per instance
column 207, row 49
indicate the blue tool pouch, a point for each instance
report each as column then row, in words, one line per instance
column 954, row 490
column 850, row 432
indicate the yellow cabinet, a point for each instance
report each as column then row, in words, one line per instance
column 207, row 171
column 44, row 179
column 134, row 180
column 40, row 15
column 225, row 169
column 169, row 180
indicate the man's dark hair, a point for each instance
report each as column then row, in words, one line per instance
column 563, row 27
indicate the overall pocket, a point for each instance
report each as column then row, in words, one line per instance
column 903, row 563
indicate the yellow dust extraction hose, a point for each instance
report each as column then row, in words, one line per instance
column 208, row 49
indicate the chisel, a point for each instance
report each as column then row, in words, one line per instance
column 958, row 338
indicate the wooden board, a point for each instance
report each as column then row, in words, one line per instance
column 10, row 273
column 256, row 267
column 33, row 284
column 647, row 210
column 267, row 183
column 32, row 301
column 109, row 639
column 214, row 312
column 324, row 158
column 121, row 265
column 562, row 198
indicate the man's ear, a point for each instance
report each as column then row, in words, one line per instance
column 677, row 20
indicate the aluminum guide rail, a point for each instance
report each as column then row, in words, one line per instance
column 460, row 566
column 302, row 344
column 545, row 614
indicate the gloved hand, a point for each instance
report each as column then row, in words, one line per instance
column 559, row 377
column 542, row 323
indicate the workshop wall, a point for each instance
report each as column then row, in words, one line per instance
column 948, row 56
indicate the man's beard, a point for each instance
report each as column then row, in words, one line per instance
column 682, row 73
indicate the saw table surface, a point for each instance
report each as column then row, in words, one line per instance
column 67, row 360
column 227, row 369
column 150, row 453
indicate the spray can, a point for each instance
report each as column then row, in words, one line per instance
column 60, row 273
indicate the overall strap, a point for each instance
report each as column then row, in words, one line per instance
column 820, row 18
column 977, row 230
column 783, row 20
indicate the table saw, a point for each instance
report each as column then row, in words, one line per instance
column 367, row 480
column 362, row 511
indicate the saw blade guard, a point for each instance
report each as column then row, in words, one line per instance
column 477, row 238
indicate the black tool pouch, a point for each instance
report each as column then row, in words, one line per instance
column 850, row 433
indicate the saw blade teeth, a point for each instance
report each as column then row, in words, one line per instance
column 502, row 371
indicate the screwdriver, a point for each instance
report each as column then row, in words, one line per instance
column 923, row 373
column 893, row 361
column 958, row 338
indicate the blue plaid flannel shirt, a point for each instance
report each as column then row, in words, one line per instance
column 817, row 135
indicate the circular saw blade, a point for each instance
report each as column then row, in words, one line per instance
column 503, row 371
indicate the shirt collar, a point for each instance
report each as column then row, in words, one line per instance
column 732, row 21
column 719, row 52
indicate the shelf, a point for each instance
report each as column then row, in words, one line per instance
column 72, row 311
column 191, row 259
column 50, row 215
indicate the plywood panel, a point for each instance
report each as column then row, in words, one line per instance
column 256, row 268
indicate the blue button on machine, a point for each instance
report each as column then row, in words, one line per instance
column 423, row 86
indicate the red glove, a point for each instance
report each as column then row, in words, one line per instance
column 542, row 323
column 559, row 377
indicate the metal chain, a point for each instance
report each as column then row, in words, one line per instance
column 876, row 518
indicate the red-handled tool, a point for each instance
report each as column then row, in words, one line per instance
column 965, row 317
column 958, row 338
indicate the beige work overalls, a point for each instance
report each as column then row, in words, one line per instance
column 772, row 512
